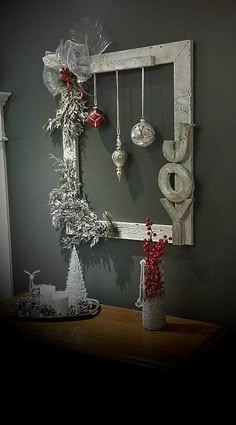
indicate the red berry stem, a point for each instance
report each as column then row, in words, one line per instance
column 153, row 280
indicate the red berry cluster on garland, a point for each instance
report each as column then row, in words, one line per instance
column 66, row 76
column 153, row 280
column 69, row 79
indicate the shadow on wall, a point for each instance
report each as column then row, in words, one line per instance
column 133, row 168
column 108, row 255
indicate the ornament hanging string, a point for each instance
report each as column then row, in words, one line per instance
column 117, row 108
column 142, row 133
column 95, row 101
column 142, row 92
column 96, row 116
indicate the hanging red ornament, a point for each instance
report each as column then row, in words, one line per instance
column 96, row 117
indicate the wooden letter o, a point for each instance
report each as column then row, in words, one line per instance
column 185, row 183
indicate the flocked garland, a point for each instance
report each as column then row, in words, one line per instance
column 70, row 211
column 70, row 116
column 64, row 73
column 30, row 306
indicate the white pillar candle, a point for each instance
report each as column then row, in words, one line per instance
column 60, row 302
column 46, row 292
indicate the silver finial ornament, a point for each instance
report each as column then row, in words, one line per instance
column 119, row 157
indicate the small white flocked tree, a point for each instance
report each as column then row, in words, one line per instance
column 75, row 286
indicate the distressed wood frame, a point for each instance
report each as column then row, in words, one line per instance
column 178, row 202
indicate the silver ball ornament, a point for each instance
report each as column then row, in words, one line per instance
column 142, row 133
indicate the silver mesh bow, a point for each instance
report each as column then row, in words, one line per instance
column 88, row 38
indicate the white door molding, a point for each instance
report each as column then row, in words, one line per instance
column 6, row 284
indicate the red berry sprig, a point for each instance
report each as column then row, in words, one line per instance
column 154, row 251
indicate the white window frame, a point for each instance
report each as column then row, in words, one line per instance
column 6, row 284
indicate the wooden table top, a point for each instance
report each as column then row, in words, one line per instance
column 117, row 334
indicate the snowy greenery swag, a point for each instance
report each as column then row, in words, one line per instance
column 64, row 74
column 70, row 116
column 70, row 211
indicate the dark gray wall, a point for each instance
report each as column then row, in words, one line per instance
column 201, row 279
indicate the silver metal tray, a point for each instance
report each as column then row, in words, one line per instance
column 93, row 311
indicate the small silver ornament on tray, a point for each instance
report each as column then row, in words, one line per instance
column 119, row 156
column 142, row 133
